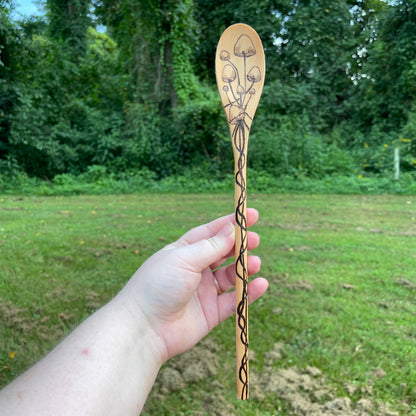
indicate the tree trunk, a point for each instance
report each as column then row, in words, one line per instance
column 169, row 69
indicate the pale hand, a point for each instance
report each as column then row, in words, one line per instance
column 183, row 291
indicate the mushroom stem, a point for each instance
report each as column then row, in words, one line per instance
column 249, row 98
column 232, row 91
column 245, row 80
column 251, row 86
column 228, row 98
column 236, row 70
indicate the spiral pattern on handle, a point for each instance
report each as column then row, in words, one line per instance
column 239, row 138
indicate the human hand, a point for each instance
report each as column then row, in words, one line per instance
column 182, row 289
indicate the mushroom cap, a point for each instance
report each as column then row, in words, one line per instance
column 252, row 91
column 237, row 113
column 244, row 47
column 228, row 73
column 254, row 75
column 240, row 90
column 225, row 55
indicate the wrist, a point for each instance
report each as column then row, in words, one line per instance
column 135, row 320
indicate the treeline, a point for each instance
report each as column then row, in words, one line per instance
column 140, row 95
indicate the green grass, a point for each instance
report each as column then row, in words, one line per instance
column 62, row 257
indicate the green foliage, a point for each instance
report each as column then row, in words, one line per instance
column 339, row 87
column 181, row 37
column 388, row 89
column 202, row 135
column 407, row 143
column 316, row 47
column 55, row 129
column 143, row 146
column 12, row 45
column 68, row 23
column 97, row 180
column 293, row 149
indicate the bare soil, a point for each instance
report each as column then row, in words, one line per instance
column 306, row 391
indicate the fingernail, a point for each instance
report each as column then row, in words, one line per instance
column 227, row 230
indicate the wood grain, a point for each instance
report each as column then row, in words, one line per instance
column 240, row 70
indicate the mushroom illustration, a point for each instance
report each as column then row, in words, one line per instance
column 251, row 92
column 254, row 74
column 237, row 113
column 228, row 74
column 240, row 90
column 244, row 47
column 224, row 55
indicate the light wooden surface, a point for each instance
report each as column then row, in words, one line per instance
column 240, row 70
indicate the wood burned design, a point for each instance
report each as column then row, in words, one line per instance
column 240, row 77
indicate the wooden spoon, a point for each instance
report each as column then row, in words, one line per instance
column 240, row 69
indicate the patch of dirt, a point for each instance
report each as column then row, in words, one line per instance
column 16, row 318
column 411, row 232
column 279, row 277
column 302, row 390
column 378, row 373
column 308, row 395
column 297, row 248
column 277, row 310
column 92, row 300
column 302, row 227
column 347, row 286
column 300, row 285
column 408, row 233
column 20, row 320
column 65, row 317
column 193, row 366
column 58, row 292
column 12, row 208
column 406, row 283
column 274, row 355
column 307, row 392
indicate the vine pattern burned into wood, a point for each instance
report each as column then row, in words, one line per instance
column 239, row 90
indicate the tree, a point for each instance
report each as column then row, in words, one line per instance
column 315, row 46
column 68, row 22
column 388, row 91
column 156, row 40
column 10, row 45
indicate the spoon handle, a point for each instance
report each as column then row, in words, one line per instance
column 241, row 274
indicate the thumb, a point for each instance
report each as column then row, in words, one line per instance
column 203, row 253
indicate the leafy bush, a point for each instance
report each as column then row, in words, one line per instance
column 142, row 140
column 202, row 135
column 97, row 181
column 291, row 149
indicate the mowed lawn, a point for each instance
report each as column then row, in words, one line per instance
column 341, row 297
